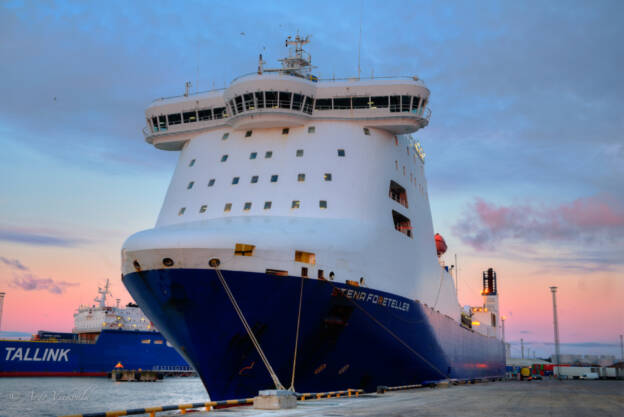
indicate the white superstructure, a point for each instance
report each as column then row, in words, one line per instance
column 302, row 177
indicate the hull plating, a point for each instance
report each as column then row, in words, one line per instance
column 349, row 337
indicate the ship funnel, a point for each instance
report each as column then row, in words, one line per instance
column 489, row 282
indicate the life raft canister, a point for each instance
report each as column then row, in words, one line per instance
column 440, row 244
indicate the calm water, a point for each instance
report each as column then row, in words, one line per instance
column 58, row 396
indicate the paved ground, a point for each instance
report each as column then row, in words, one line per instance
column 515, row 398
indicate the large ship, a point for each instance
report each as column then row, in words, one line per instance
column 295, row 246
column 103, row 338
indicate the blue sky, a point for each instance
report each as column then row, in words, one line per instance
column 525, row 146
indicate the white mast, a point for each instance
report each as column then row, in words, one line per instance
column 103, row 293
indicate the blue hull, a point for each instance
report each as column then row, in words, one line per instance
column 130, row 348
column 349, row 337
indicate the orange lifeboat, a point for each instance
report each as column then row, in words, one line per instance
column 440, row 244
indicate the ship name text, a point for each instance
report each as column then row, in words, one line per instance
column 48, row 354
column 369, row 297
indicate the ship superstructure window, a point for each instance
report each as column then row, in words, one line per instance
column 203, row 208
column 323, row 204
column 402, row 223
column 308, row 105
column 267, row 205
column 405, row 103
column 304, row 271
column 253, row 155
column 189, row 116
column 378, row 102
column 367, row 131
column 268, row 154
column 285, row 131
column 305, row 257
column 239, row 104
column 415, row 102
column 398, row 193
column 155, row 124
column 182, row 210
column 254, row 179
column 301, row 177
column 343, row 103
column 274, row 178
column 204, row 114
column 192, row 162
column 323, row 104
column 297, row 101
column 227, row 207
column 247, row 206
column 224, row 158
column 395, row 103
column 249, row 101
column 225, row 136
column 295, row 204
column 190, row 185
column 271, row 99
column 311, row 129
column 341, row 152
column 327, row 176
column 248, row 133
column 211, row 182
column 284, row 99
column 360, row 102
column 174, row 119
column 235, row 180
column 260, row 99
column 243, row 249
column 219, row 113
column 162, row 122
column 299, row 152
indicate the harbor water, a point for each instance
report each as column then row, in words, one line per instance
column 60, row 396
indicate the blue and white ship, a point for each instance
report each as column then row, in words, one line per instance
column 295, row 245
column 104, row 337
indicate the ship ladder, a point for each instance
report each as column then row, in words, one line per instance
column 241, row 316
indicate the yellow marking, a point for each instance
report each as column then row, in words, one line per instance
column 153, row 409
column 231, row 402
column 116, row 413
column 185, row 406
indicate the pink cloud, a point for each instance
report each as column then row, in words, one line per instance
column 484, row 224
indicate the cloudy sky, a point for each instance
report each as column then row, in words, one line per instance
column 525, row 150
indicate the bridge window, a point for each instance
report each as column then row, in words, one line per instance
column 295, row 204
column 260, row 99
column 271, row 99
column 405, row 103
column 323, row 204
column 274, row 178
column 228, row 207
column 343, row 103
column 323, row 104
column 162, row 122
column 219, row 113
column 243, row 249
column 248, row 133
column 204, row 115
column 378, row 102
column 301, row 177
column 305, row 257
column 174, row 119
column 398, row 193
column 284, row 100
column 155, row 124
column 211, row 182
column 268, row 154
column 360, row 102
column 239, row 104
column 249, row 101
column 415, row 102
column 253, row 155
column 307, row 106
column 232, row 106
column 247, row 206
column 235, row 180
column 341, row 152
column 189, row 116
column 402, row 223
column 190, row 185
column 327, row 176
column 254, row 179
column 267, row 205
column 299, row 153
column 297, row 101
column 225, row 136
column 203, row 208
column 395, row 103
column 311, row 129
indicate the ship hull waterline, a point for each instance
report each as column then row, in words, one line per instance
column 349, row 337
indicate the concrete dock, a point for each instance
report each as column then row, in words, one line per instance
column 573, row 398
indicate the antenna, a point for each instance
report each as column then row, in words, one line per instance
column 187, row 88
column 360, row 40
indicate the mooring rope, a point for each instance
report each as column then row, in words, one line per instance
column 292, row 379
column 241, row 316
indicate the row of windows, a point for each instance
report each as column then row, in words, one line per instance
column 271, row 100
column 269, row 155
column 295, row 204
column 254, row 179
column 394, row 103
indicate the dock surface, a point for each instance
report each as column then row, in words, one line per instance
column 512, row 398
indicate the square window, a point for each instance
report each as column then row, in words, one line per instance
column 268, row 154
column 182, row 210
column 267, row 205
column 327, row 176
column 192, row 162
column 228, row 207
column 254, row 179
column 304, row 271
column 311, row 129
column 224, row 158
column 367, row 131
column 235, row 180
column 305, row 257
column 301, row 177
column 341, row 152
column 320, row 274
column 242, row 249
column 225, row 136
column 285, row 131
column 211, row 182
column 253, row 155
column 323, row 204
column 274, row 178
column 203, row 208
column 299, row 152
column 248, row 133
column 295, row 204
column 247, row 206
column 190, row 185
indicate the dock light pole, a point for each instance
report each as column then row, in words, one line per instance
column 556, row 325
column 622, row 347
column 522, row 348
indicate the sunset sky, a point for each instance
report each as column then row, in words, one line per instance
column 525, row 148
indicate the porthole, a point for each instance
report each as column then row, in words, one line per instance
column 248, row 133
column 168, row 262
column 225, row 136
column 285, row 131
column 341, row 152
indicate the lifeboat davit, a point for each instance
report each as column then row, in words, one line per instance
column 440, row 244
